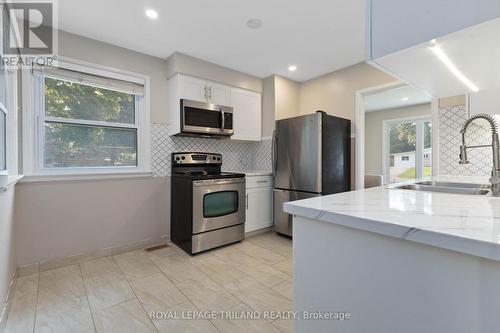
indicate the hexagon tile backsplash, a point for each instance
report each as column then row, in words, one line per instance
column 451, row 120
column 236, row 156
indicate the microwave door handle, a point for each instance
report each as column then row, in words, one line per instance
column 223, row 115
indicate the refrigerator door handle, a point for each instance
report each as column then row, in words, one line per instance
column 274, row 148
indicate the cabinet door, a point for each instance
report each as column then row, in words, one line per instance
column 259, row 212
column 192, row 88
column 397, row 25
column 247, row 115
column 485, row 101
column 219, row 94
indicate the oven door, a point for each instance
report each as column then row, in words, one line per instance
column 218, row 203
column 206, row 118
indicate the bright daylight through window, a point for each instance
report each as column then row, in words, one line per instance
column 90, row 123
column 410, row 150
column 72, row 140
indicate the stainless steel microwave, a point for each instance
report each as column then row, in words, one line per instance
column 206, row 119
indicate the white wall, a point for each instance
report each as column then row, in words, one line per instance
column 7, row 246
column 374, row 131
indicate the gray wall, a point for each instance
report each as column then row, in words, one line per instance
column 7, row 248
column 334, row 93
column 374, row 131
column 104, row 54
column 59, row 219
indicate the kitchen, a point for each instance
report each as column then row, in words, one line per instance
column 148, row 178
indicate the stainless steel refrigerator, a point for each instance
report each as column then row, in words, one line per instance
column 311, row 157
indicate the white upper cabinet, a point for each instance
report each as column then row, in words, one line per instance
column 485, row 101
column 192, row 88
column 204, row 91
column 247, row 105
column 247, row 114
column 219, row 94
column 445, row 47
column 397, row 25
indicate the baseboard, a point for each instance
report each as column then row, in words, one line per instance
column 79, row 258
column 258, row 232
column 8, row 301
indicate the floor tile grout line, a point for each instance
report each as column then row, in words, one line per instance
column 190, row 301
column 133, row 291
column 36, row 301
column 87, row 297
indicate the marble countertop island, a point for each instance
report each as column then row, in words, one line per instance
column 469, row 224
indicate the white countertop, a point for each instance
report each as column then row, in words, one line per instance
column 464, row 223
column 255, row 173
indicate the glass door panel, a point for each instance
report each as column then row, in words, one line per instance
column 218, row 204
column 427, row 149
column 402, row 152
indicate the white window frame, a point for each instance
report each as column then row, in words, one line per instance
column 10, row 111
column 419, row 146
column 34, row 121
column 3, row 109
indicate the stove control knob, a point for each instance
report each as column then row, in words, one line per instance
column 183, row 158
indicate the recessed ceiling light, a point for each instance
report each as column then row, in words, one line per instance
column 151, row 13
column 254, row 23
column 292, row 68
column 404, row 99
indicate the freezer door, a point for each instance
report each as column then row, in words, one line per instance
column 297, row 154
column 282, row 220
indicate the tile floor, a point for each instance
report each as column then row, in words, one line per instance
column 117, row 294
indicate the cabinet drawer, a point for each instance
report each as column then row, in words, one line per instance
column 259, row 181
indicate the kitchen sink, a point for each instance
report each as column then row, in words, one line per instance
column 445, row 187
column 454, row 184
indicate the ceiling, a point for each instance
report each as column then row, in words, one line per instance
column 317, row 36
column 396, row 98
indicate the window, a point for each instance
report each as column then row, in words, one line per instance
column 410, row 142
column 89, row 121
column 4, row 120
column 3, row 139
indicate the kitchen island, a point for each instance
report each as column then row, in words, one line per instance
column 398, row 260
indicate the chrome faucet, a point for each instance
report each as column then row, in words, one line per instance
column 495, row 145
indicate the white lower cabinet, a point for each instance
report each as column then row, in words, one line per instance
column 259, row 203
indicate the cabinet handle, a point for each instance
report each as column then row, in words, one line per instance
column 263, row 181
column 206, row 94
column 246, row 201
column 210, row 90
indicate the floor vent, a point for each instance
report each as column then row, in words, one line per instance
column 158, row 247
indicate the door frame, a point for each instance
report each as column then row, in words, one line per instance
column 359, row 122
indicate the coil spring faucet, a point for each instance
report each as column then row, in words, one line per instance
column 495, row 145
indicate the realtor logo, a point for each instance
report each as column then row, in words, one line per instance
column 29, row 32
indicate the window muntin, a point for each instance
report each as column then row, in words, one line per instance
column 87, row 120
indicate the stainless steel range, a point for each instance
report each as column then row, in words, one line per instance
column 208, row 206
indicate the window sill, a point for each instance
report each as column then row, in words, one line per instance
column 85, row 177
column 13, row 180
